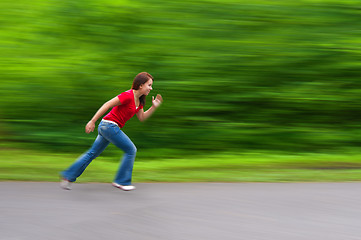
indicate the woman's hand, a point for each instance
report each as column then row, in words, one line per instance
column 90, row 127
column 157, row 101
column 142, row 116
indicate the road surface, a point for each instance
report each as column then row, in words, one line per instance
column 175, row 211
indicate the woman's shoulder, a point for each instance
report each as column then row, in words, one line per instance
column 128, row 92
column 125, row 95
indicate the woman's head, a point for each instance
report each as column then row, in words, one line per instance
column 143, row 81
column 140, row 79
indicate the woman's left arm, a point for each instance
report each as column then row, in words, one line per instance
column 142, row 116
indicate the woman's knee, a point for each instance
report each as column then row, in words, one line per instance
column 91, row 155
column 131, row 150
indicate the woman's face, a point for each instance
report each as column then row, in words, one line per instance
column 146, row 87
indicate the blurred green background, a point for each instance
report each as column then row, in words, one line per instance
column 266, row 77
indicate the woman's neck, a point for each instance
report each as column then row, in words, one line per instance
column 137, row 94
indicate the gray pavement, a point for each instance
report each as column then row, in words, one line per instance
column 174, row 211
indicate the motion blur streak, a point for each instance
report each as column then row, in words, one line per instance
column 236, row 76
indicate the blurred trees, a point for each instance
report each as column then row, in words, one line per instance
column 235, row 75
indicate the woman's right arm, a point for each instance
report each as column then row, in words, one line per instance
column 102, row 110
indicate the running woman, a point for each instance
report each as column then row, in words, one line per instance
column 124, row 107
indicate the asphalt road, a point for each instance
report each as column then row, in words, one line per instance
column 174, row 211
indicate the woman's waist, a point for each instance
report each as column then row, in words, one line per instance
column 110, row 121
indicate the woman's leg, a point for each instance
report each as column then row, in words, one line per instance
column 75, row 170
column 122, row 141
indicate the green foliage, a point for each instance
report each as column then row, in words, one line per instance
column 234, row 75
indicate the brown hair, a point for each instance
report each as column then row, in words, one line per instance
column 140, row 79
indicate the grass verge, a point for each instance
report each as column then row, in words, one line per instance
column 26, row 165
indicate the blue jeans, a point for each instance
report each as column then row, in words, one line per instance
column 107, row 133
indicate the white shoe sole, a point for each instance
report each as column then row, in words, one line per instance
column 124, row 188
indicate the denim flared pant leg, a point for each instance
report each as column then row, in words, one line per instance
column 78, row 167
column 124, row 174
column 108, row 133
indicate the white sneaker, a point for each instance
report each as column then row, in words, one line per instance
column 65, row 184
column 124, row 188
